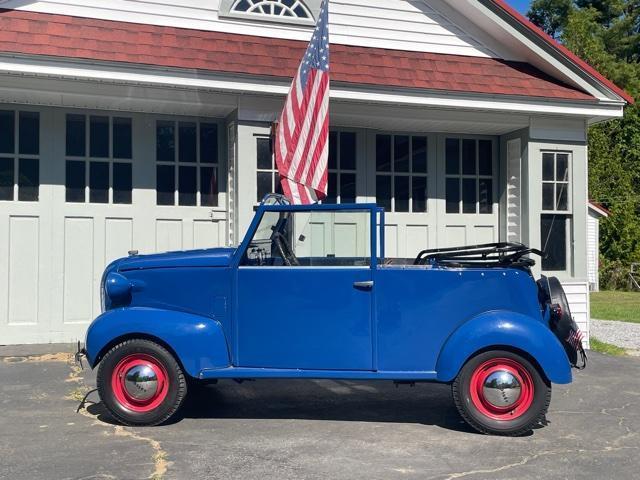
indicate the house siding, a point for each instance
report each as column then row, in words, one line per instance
column 412, row 25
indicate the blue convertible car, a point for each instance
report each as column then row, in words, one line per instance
column 310, row 294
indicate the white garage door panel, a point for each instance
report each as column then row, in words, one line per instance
column 118, row 238
column 168, row 235
column 79, row 255
column 23, row 278
column 484, row 234
column 208, row 234
column 390, row 240
column 417, row 239
column 455, row 236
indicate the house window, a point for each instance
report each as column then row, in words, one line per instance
column 186, row 163
column 286, row 9
column 19, row 155
column 401, row 173
column 342, row 168
column 98, row 155
column 469, row 175
column 268, row 178
column 555, row 221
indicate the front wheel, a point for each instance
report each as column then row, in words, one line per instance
column 501, row 393
column 141, row 383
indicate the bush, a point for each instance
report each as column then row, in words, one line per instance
column 614, row 275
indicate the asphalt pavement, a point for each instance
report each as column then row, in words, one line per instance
column 309, row 429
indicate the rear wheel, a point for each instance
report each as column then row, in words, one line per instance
column 141, row 383
column 501, row 393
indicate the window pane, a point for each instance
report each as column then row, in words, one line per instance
column 419, row 194
column 401, row 153
column 99, row 137
column 469, row 195
column 28, row 179
column 562, row 201
column 122, row 184
column 264, row 153
column 165, row 143
column 122, row 137
column 7, row 132
column 209, row 186
column 264, row 184
column 29, row 133
column 452, row 156
column 419, row 147
column 553, row 230
column 548, row 196
column 468, row 157
column 453, row 195
column 485, row 195
column 547, row 166
column 6, row 178
column 76, row 138
column 562, row 167
column 277, row 184
column 485, row 155
column 187, row 186
column 348, row 151
column 401, row 194
column 332, row 192
column 208, row 143
column 166, row 184
column 99, row 182
column 383, row 191
column 187, row 141
column 383, row 153
column 333, row 150
column 348, row 188
column 75, row 181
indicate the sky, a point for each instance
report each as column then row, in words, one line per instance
column 521, row 5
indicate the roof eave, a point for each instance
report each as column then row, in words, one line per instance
column 563, row 51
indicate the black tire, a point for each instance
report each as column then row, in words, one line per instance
column 176, row 390
column 479, row 420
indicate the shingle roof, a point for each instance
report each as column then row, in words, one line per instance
column 33, row 33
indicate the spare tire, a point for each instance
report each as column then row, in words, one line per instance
column 561, row 321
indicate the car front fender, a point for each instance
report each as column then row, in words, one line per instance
column 504, row 329
column 198, row 342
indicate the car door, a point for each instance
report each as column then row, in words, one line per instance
column 304, row 291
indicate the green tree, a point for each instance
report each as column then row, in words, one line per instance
column 550, row 15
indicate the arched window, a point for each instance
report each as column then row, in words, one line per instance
column 285, row 9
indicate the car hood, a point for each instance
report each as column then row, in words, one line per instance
column 212, row 257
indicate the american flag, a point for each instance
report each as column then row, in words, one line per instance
column 575, row 338
column 302, row 136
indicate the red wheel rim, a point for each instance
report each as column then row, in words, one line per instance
column 513, row 411
column 120, row 390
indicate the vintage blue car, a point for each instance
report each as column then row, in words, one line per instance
column 310, row 294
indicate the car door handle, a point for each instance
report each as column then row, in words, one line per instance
column 367, row 285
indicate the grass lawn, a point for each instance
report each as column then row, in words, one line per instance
column 612, row 305
column 603, row 347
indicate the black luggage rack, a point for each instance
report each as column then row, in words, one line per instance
column 504, row 254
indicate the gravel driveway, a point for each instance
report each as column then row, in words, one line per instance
column 622, row 334
column 307, row 429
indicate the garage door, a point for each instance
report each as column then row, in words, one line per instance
column 79, row 189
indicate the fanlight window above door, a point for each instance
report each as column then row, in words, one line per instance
column 287, row 11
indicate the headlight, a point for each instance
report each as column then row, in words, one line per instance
column 117, row 290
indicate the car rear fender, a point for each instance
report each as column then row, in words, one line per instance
column 198, row 342
column 503, row 329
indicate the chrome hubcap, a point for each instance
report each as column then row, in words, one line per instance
column 501, row 389
column 141, row 382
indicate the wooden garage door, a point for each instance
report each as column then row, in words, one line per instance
column 106, row 185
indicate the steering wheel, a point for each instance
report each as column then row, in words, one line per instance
column 285, row 251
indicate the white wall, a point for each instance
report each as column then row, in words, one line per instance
column 412, row 25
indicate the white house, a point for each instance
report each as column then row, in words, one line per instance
column 596, row 212
column 144, row 125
